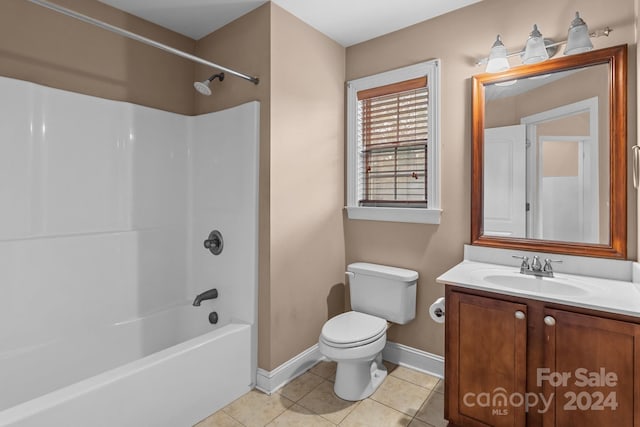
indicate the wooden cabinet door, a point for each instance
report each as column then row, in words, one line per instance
column 592, row 371
column 485, row 361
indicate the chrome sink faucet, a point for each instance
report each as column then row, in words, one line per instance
column 536, row 268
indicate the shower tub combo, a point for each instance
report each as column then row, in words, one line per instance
column 101, row 256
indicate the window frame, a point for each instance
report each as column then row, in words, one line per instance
column 432, row 213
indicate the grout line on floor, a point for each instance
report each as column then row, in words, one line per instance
column 428, row 393
column 234, row 419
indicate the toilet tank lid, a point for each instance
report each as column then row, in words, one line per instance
column 385, row 271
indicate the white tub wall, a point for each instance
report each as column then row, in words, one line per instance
column 82, row 160
column 93, row 211
column 48, row 141
column 159, row 205
column 224, row 196
column 59, row 286
column 159, row 141
column 16, row 159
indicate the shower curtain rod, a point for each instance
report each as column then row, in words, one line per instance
column 142, row 39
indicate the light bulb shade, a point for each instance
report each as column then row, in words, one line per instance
column 578, row 39
column 535, row 50
column 497, row 57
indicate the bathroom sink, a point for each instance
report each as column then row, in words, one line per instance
column 539, row 285
column 592, row 292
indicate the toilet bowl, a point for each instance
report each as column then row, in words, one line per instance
column 355, row 339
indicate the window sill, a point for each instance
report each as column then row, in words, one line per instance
column 412, row 215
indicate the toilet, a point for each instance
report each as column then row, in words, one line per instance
column 379, row 294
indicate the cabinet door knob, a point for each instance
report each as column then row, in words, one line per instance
column 520, row 315
column 550, row 321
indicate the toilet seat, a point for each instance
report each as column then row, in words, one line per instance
column 352, row 329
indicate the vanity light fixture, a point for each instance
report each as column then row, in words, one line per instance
column 539, row 49
column 497, row 57
column 535, row 49
column 578, row 39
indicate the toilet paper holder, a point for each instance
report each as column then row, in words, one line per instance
column 437, row 310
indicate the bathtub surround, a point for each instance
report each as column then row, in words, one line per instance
column 102, row 231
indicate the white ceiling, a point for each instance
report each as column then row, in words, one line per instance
column 193, row 18
column 348, row 22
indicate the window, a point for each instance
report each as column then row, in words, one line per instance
column 393, row 146
column 392, row 139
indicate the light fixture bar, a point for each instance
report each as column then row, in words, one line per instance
column 595, row 34
column 139, row 38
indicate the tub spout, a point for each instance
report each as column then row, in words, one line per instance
column 210, row 294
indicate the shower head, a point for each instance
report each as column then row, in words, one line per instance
column 203, row 86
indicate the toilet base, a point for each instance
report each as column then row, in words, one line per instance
column 357, row 380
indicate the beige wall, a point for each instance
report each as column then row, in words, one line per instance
column 307, row 160
column 431, row 249
column 301, row 161
column 51, row 49
column 560, row 158
column 242, row 45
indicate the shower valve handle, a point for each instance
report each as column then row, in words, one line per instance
column 214, row 242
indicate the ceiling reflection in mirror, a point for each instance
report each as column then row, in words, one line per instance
column 546, row 157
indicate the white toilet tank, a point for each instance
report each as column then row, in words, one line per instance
column 383, row 291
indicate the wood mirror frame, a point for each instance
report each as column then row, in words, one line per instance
column 616, row 58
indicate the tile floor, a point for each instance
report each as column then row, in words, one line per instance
column 405, row 398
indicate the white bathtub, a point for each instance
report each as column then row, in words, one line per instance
column 172, row 368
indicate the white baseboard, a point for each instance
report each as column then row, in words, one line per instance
column 413, row 358
column 271, row 381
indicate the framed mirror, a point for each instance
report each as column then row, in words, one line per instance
column 549, row 159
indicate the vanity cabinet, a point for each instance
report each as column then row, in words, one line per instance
column 490, row 355
column 596, row 362
column 512, row 361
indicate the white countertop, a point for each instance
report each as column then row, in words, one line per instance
column 615, row 296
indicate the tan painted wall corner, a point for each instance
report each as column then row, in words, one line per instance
column 307, row 157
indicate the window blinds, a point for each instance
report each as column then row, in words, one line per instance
column 393, row 136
